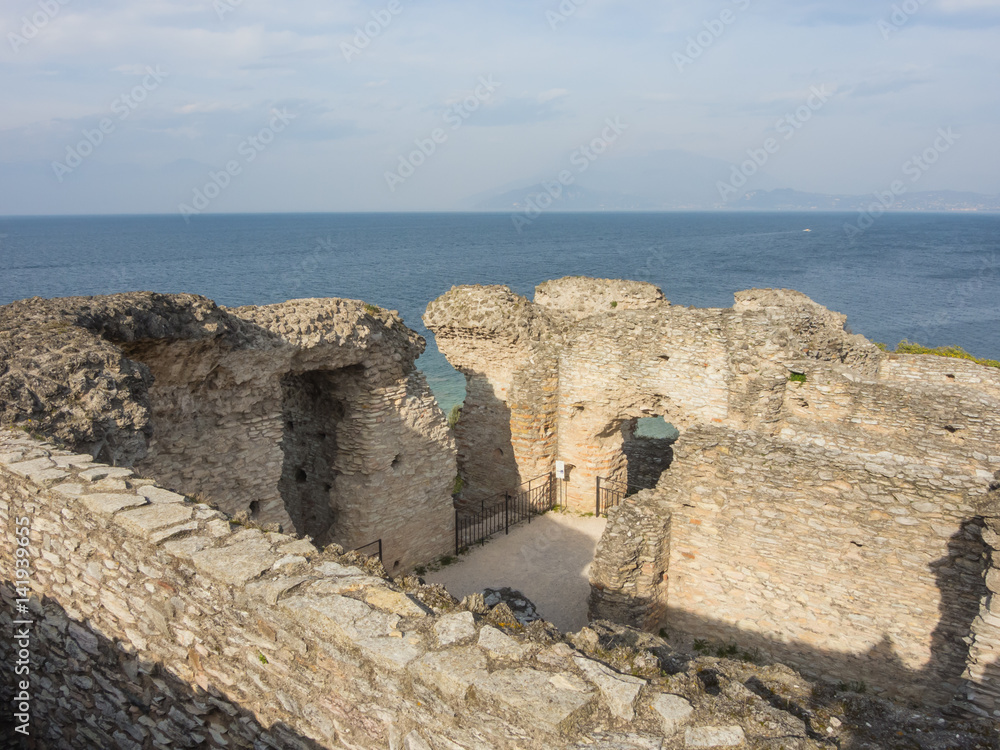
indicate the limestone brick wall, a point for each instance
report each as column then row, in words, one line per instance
column 571, row 369
column 204, row 394
column 857, row 568
column 825, row 496
column 630, row 571
column 982, row 689
column 155, row 622
column 309, row 415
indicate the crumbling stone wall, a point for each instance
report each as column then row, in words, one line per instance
column 825, row 499
column 158, row 622
column 629, row 574
column 589, row 356
column 855, row 568
column 982, row 688
column 201, row 398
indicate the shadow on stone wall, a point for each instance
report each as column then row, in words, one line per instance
column 880, row 666
column 648, row 458
column 72, row 666
column 486, row 460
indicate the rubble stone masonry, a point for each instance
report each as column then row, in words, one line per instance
column 827, row 503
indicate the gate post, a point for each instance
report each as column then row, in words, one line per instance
column 456, row 531
column 597, row 497
column 506, row 513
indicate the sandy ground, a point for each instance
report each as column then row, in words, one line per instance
column 547, row 560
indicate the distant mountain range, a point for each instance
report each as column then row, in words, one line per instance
column 577, row 198
column 671, row 180
column 932, row 200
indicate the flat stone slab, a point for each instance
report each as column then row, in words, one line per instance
column 100, row 472
column 342, row 615
column 272, row 589
column 48, row 476
column 391, row 653
column 715, row 737
column 451, row 629
column 395, row 602
column 499, row 644
column 170, row 532
column 618, row 690
column 551, row 701
column 74, row 460
column 298, row 547
column 236, row 564
column 149, row 518
column 674, row 712
column 107, row 503
column 27, row 468
column 187, row 547
column 159, row 495
column 345, row 585
column 451, row 672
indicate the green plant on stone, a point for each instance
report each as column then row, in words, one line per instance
column 614, row 304
column 727, row 652
column 457, row 485
column 261, row 658
column 700, row 645
column 454, row 415
column 797, row 377
column 854, row 686
column 956, row 352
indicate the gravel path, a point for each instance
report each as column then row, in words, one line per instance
column 547, row 560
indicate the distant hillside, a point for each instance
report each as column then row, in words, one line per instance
column 572, row 198
column 935, row 200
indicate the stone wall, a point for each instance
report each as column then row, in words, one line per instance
column 629, row 574
column 825, row 501
column 866, row 572
column 155, row 622
column 308, row 415
column 575, row 370
column 982, row 688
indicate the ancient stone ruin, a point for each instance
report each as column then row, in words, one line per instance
column 308, row 414
column 826, row 502
column 190, row 483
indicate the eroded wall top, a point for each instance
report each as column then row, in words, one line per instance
column 65, row 365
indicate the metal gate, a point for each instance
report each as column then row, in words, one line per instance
column 610, row 494
column 474, row 525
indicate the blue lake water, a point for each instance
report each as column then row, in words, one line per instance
column 932, row 278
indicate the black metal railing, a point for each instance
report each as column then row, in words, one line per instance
column 377, row 542
column 610, row 494
column 474, row 525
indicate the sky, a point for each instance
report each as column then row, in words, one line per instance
column 163, row 106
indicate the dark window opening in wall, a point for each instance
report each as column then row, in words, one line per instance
column 648, row 447
column 314, row 404
column 255, row 508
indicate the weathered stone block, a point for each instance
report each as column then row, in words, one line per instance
column 453, row 628
column 395, row 602
column 501, row 645
column 732, row 736
column 550, row 701
column 451, row 672
column 107, row 504
column 620, row 691
column 237, row 564
column 150, row 518
column 674, row 712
